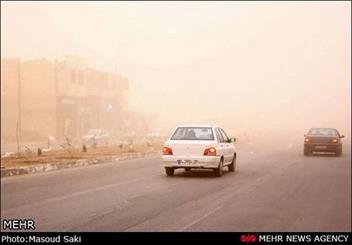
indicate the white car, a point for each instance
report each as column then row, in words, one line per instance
column 199, row 146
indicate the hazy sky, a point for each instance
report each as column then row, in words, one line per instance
column 243, row 65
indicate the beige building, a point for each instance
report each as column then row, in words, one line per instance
column 10, row 104
column 40, row 98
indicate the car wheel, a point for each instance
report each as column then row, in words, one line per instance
column 188, row 169
column 218, row 171
column 232, row 166
column 169, row 171
column 306, row 152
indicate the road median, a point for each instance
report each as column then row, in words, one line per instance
column 56, row 160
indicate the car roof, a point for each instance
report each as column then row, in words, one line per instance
column 198, row 125
column 323, row 128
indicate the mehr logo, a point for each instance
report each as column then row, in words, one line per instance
column 247, row 238
column 18, row 224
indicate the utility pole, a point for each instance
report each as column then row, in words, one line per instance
column 19, row 117
column 56, row 99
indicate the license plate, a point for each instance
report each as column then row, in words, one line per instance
column 320, row 147
column 186, row 162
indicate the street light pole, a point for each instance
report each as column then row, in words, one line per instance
column 19, row 119
column 56, row 98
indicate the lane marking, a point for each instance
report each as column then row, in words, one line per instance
column 75, row 194
column 108, row 163
column 201, row 218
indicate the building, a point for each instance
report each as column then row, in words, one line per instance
column 10, row 104
column 40, row 98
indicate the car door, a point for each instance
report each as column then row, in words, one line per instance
column 221, row 145
column 228, row 146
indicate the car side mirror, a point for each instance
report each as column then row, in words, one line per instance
column 342, row 136
column 232, row 140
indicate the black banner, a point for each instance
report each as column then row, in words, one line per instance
column 176, row 237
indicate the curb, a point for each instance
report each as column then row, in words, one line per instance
column 40, row 168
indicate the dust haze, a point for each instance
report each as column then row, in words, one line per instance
column 262, row 71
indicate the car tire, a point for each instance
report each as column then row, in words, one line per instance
column 188, row 169
column 218, row 171
column 169, row 171
column 232, row 166
column 339, row 152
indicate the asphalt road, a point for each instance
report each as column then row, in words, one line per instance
column 270, row 191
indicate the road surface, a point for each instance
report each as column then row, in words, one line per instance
column 270, row 191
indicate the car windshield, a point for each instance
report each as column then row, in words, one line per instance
column 323, row 132
column 193, row 133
